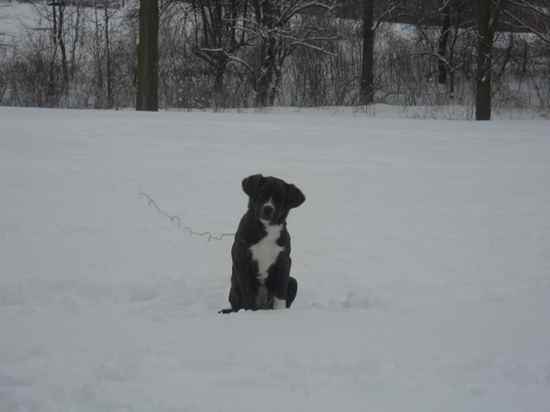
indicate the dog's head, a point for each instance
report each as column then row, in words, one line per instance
column 270, row 198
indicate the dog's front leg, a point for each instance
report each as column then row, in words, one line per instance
column 238, row 297
column 280, row 294
column 278, row 283
column 249, row 290
column 279, row 303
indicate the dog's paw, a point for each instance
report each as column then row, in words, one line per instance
column 225, row 311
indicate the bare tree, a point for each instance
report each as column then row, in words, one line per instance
column 445, row 11
column 272, row 29
column 98, row 59
column 59, row 38
column 76, row 28
column 367, row 69
column 108, row 60
column 219, row 37
column 103, row 11
column 373, row 15
column 57, row 35
column 54, row 55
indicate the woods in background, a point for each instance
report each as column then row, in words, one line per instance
column 256, row 53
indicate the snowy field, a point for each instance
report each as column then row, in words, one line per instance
column 422, row 255
column 15, row 19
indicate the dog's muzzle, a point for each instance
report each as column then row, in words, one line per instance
column 267, row 212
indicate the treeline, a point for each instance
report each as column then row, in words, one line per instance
column 250, row 53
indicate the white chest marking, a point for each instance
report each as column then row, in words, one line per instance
column 266, row 251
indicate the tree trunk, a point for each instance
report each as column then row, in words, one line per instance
column 148, row 56
column 219, row 92
column 61, row 41
column 452, row 68
column 487, row 14
column 99, row 95
column 266, row 78
column 275, row 84
column 442, row 46
column 51, row 90
column 76, row 41
column 108, row 68
column 367, row 72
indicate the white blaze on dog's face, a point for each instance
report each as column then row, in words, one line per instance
column 267, row 211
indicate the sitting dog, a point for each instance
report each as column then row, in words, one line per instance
column 260, row 277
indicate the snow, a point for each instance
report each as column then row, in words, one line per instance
column 422, row 255
column 15, row 18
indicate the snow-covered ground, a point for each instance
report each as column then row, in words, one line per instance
column 15, row 18
column 422, row 254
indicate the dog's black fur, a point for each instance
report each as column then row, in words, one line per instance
column 270, row 200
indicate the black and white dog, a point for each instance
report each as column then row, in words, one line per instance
column 260, row 277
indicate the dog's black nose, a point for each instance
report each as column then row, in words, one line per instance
column 267, row 212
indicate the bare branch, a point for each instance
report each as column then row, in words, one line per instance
column 312, row 47
column 523, row 24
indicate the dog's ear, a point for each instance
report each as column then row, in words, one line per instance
column 251, row 184
column 295, row 197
